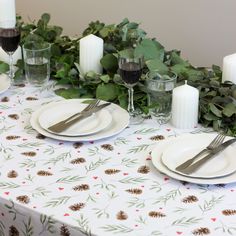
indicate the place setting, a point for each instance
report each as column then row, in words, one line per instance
column 204, row 158
column 79, row 120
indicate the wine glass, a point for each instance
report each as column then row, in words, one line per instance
column 130, row 70
column 9, row 41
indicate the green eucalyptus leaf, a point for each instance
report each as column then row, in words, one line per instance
column 105, row 78
column 109, row 62
column 147, row 48
column 157, row 65
column 229, row 110
column 45, row 18
column 177, row 60
column 4, row 67
column 215, row 110
column 126, row 53
column 107, row 92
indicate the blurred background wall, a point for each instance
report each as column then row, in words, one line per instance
column 204, row 30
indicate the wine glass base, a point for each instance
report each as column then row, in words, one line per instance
column 135, row 118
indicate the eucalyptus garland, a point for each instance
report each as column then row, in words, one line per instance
column 217, row 107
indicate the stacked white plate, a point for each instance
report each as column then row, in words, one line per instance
column 172, row 152
column 105, row 123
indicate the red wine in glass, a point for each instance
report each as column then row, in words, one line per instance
column 130, row 72
column 9, row 41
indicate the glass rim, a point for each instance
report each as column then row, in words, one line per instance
column 171, row 78
column 47, row 46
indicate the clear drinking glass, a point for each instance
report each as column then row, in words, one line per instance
column 159, row 90
column 37, row 62
column 130, row 70
column 9, row 41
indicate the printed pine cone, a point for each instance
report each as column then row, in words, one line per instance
column 143, row 169
column 82, row 187
column 190, row 199
column 64, row 231
column 13, row 231
column 78, row 145
column 5, row 99
column 29, row 154
column 121, row 215
column 156, row 214
column 201, row 231
column 14, row 116
column 44, row 173
column 78, row 160
column 12, row 174
column 12, row 137
column 134, row 191
column 77, row 206
column 40, row 136
column 23, row 199
column 111, row 171
column 157, row 137
column 107, row 147
column 229, row 212
column 31, row 99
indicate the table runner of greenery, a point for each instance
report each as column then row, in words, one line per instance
column 217, row 107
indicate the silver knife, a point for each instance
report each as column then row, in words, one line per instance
column 190, row 169
column 61, row 127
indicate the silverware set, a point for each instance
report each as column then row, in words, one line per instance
column 216, row 146
column 89, row 110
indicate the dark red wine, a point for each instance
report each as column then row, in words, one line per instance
column 130, row 72
column 9, row 39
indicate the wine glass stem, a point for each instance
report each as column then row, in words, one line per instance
column 131, row 100
column 11, row 72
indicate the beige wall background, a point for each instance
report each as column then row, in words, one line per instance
column 204, row 30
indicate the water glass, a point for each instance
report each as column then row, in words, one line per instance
column 159, row 91
column 37, row 62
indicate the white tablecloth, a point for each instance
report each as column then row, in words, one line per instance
column 105, row 187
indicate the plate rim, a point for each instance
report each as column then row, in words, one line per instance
column 107, row 121
column 98, row 136
column 156, row 161
column 7, row 83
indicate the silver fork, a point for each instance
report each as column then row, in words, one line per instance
column 87, row 108
column 213, row 144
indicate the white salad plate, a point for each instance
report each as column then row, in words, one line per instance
column 62, row 110
column 185, row 147
column 158, row 151
column 120, row 120
column 5, row 83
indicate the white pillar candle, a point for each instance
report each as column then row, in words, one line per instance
column 5, row 57
column 7, row 13
column 91, row 52
column 185, row 102
column 229, row 68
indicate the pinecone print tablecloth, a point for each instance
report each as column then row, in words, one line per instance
column 106, row 187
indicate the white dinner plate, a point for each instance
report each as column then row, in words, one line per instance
column 64, row 109
column 156, row 154
column 185, row 147
column 5, row 83
column 120, row 120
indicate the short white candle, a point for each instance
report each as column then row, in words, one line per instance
column 91, row 52
column 229, row 68
column 7, row 13
column 5, row 57
column 185, row 102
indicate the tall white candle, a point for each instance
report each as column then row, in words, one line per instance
column 185, row 102
column 7, row 13
column 91, row 52
column 5, row 57
column 229, row 68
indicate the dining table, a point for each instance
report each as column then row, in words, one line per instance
column 102, row 187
